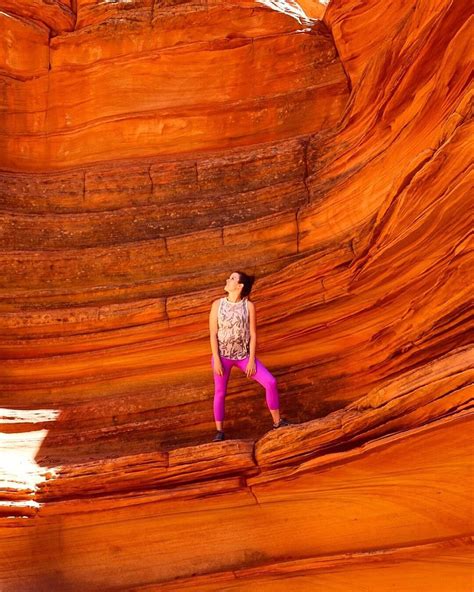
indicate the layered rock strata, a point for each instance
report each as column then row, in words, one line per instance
column 109, row 266
column 161, row 84
column 354, row 495
column 353, row 213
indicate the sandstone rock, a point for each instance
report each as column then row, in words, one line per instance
column 148, row 149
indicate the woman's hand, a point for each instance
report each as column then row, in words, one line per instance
column 218, row 369
column 251, row 368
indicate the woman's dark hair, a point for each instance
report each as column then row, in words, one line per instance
column 247, row 281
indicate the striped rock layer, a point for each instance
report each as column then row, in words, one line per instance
column 149, row 148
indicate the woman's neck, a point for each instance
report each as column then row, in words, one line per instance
column 233, row 298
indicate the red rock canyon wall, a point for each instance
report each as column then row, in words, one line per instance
column 149, row 148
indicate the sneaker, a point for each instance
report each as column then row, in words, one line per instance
column 219, row 437
column 281, row 424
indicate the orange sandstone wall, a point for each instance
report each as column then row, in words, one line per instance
column 352, row 211
column 109, row 265
column 161, row 82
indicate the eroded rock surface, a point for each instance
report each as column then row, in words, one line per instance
column 149, row 148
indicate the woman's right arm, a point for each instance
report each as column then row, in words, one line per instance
column 213, row 335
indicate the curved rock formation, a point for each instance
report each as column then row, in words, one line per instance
column 149, row 148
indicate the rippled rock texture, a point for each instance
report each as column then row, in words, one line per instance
column 146, row 150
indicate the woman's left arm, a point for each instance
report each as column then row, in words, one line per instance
column 251, row 366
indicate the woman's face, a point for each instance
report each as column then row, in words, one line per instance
column 232, row 283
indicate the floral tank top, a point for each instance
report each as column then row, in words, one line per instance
column 233, row 329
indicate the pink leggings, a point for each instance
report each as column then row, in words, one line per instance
column 262, row 376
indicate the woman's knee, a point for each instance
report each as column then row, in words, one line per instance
column 270, row 382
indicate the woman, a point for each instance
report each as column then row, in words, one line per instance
column 233, row 342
